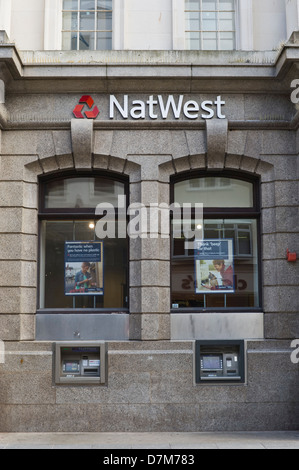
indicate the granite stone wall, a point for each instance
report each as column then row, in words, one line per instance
column 150, row 387
column 151, row 377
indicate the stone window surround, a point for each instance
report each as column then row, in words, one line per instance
column 87, row 149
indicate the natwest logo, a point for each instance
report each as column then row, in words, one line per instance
column 86, row 100
column 166, row 107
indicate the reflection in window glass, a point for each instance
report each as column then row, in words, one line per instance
column 60, row 223
column 85, row 40
column 209, row 41
column 70, row 4
column 104, row 40
column 215, row 192
column 87, row 4
column 245, row 267
column 70, row 21
column 86, row 21
column 201, row 276
column 209, row 21
column 225, row 41
column 54, row 236
column 78, row 193
column 209, row 4
column 104, row 4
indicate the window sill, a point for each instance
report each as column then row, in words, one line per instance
column 95, row 311
column 216, row 310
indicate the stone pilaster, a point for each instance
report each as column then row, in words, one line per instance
column 149, row 255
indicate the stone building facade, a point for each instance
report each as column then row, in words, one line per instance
column 158, row 127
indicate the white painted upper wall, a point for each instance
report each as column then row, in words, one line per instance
column 292, row 16
column 148, row 24
column 27, row 24
column 269, row 24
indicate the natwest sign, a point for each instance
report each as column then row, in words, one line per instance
column 153, row 107
column 165, row 107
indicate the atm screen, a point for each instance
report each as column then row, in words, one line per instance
column 211, row 362
column 71, row 366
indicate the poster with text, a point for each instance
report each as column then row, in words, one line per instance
column 83, row 268
column 214, row 266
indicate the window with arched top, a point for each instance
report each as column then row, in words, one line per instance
column 83, row 255
column 219, row 270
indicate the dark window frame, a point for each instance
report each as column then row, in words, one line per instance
column 225, row 213
column 80, row 214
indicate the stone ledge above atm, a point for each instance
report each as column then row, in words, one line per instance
column 82, row 326
column 188, row 326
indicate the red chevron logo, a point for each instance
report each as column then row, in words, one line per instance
column 87, row 100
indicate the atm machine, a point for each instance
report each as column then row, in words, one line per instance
column 219, row 361
column 80, row 362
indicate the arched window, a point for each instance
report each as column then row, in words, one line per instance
column 220, row 270
column 82, row 264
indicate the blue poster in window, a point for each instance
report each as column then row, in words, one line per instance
column 83, row 268
column 214, row 266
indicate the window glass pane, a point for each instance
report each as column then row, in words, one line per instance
column 70, row 21
column 69, row 41
column 209, row 22
column 54, row 273
column 212, row 231
column 211, row 275
column 209, row 41
column 104, row 4
column 215, row 192
column 81, row 193
column 115, row 273
column 193, row 41
column 193, row 21
column 70, row 5
column 226, row 5
column 54, row 234
column 104, row 22
column 86, row 41
column 209, row 4
column 244, row 242
column 87, row 4
column 104, row 41
column 192, row 4
column 227, row 41
column 87, row 21
column 226, row 21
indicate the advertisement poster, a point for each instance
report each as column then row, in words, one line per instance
column 214, row 266
column 83, row 268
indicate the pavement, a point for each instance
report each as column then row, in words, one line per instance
column 151, row 440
